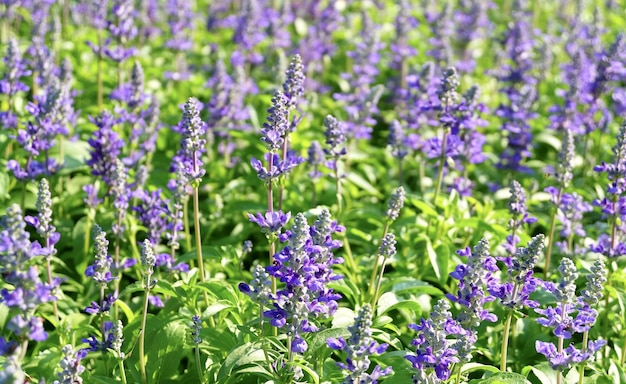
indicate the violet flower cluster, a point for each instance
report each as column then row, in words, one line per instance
column 304, row 266
column 519, row 87
column 11, row 85
column 613, row 205
column 152, row 211
column 515, row 293
column 358, row 348
column 274, row 133
column 40, row 135
column 519, row 217
column 193, row 143
column 436, row 345
column 18, row 259
column 106, row 146
column 318, row 42
column 561, row 319
column 181, row 24
column 361, row 101
column 43, row 221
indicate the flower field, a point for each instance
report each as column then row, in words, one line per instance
column 313, row 191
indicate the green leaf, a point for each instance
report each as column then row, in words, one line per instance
column 415, row 286
column 432, row 255
column 423, row 206
column 164, row 346
column 473, row 367
column 503, row 378
column 318, row 341
column 216, row 308
column 388, row 301
column 544, row 373
column 239, row 357
column 363, row 184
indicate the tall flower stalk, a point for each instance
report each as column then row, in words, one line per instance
column 448, row 97
column 192, row 148
column 45, row 229
column 564, row 324
column 515, row 293
column 563, row 173
column 148, row 259
column 395, row 204
column 358, row 348
column 293, row 88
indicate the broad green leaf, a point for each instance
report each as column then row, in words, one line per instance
column 427, row 209
column 164, row 347
column 544, row 373
column 473, row 367
column 216, row 308
column 318, row 341
column 415, row 286
column 241, row 356
column 503, row 378
column 363, row 184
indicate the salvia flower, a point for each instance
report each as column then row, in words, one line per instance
column 435, row 344
column 180, row 21
column 100, row 271
column 396, row 140
column 358, row 348
column 335, row 137
column 193, row 143
column 148, row 258
column 106, row 146
column 293, row 87
column 304, row 266
column 387, row 247
column 153, row 213
column 570, row 212
column 121, row 196
column 315, row 159
column 43, row 221
column 474, row 279
column 560, row 318
column 196, row 327
column 10, row 83
column 118, row 339
column 566, row 159
column 260, row 288
column 276, row 127
column 122, row 29
column 71, row 367
column 362, row 99
column 612, row 205
column 519, row 86
column 103, row 343
column 592, row 293
column 515, row 293
column 395, row 204
column 16, row 249
column 519, row 216
column 40, row 134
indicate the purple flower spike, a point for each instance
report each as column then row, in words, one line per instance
column 358, row 348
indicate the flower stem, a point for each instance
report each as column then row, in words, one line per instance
column 581, row 376
column 122, row 371
column 375, row 269
column 546, row 268
column 142, row 334
column 505, row 341
column 186, row 224
column 198, row 364
column 196, row 224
